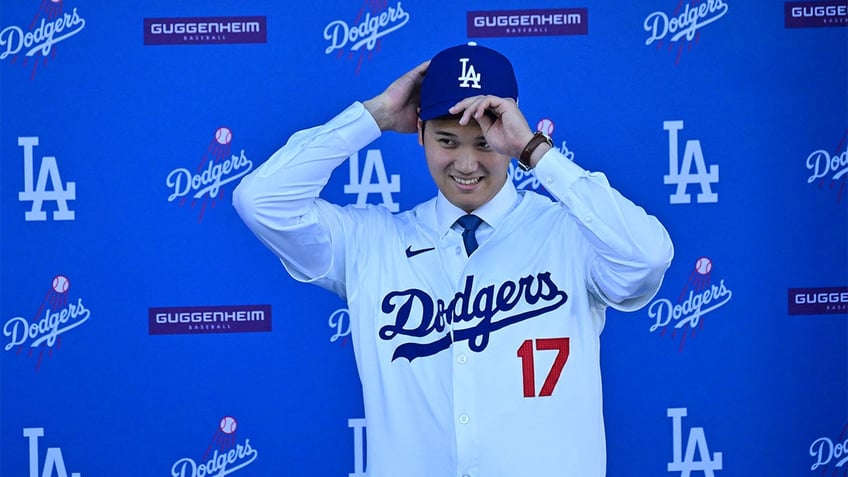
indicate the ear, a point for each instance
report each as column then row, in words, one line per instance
column 420, row 132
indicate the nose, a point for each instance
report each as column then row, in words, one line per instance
column 466, row 161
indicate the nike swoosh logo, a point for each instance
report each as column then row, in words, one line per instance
column 411, row 253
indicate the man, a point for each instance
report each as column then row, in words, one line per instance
column 476, row 336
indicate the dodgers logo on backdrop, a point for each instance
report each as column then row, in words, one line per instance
column 524, row 180
column 50, row 25
column 700, row 296
column 828, row 169
column 815, row 14
column 363, row 184
column 57, row 314
column 339, row 322
column 681, row 174
column 534, row 22
column 217, row 168
column 54, row 461
column 683, row 25
column 37, row 191
column 374, row 21
column 827, row 453
column 224, row 455
column 686, row 462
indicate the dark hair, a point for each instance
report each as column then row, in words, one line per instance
column 447, row 116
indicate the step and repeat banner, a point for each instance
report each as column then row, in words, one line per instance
column 146, row 332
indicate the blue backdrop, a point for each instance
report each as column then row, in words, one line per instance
column 147, row 332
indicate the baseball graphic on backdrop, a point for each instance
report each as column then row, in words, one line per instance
column 546, row 126
column 61, row 284
column 228, row 425
column 703, row 265
column 223, row 135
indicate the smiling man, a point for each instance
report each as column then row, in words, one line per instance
column 476, row 315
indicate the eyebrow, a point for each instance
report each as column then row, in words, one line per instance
column 440, row 132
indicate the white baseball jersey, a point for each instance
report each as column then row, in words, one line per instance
column 485, row 365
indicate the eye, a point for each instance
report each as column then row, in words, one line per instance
column 446, row 142
column 483, row 145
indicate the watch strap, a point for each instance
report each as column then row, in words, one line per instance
column 538, row 139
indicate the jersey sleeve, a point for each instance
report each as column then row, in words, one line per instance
column 631, row 249
column 280, row 204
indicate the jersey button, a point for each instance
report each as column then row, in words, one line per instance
column 461, row 359
column 463, row 418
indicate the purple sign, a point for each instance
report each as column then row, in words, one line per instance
column 816, row 14
column 818, row 301
column 538, row 22
column 205, row 30
column 209, row 319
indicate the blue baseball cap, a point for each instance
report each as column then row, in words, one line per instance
column 463, row 71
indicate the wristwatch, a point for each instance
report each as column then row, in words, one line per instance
column 538, row 138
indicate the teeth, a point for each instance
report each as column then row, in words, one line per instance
column 467, row 181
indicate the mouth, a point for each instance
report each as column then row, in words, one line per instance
column 469, row 181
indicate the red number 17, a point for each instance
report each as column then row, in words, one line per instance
column 525, row 352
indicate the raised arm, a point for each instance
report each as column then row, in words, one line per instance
column 279, row 201
column 632, row 248
column 396, row 108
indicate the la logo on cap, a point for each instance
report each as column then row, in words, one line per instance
column 469, row 78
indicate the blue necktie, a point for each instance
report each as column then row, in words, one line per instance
column 469, row 224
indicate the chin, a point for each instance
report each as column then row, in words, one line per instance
column 467, row 206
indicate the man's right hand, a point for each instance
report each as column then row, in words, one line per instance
column 396, row 108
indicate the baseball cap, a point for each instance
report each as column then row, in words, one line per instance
column 462, row 71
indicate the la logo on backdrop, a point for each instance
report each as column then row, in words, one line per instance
column 203, row 186
column 361, row 37
column 47, row 186
column 680, row 173
column 696, row 456
column 364, row 184
column 53, row 460
column 359, row 426
column 34, row 44
column 57, row 314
